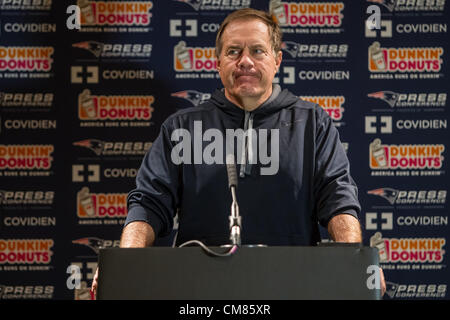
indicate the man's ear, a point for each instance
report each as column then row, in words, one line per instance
column 278, row 59
column 218, row 65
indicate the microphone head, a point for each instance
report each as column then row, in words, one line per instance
column 231, row 171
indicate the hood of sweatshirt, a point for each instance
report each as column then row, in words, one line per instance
column 279, row 99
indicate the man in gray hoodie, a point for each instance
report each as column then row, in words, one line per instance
column 307, row 183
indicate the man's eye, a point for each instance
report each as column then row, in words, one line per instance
column 233, row 52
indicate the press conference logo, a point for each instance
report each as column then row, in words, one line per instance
column 26, row 198
column 411, row 5
column 403, row 197
column 216, row 5
column 116, row 148
column 26, row 5
column 418, row 291
column 26, row 99
column 308, row 51
column 411, row 99
column 116, row 50
column 26, row 292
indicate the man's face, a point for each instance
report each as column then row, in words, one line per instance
column 247, row 64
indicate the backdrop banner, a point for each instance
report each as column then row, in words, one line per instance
column 79, row 108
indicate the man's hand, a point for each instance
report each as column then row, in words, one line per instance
column 346, row 228
column 95, row 283
column 138, row 234
column 383, row 283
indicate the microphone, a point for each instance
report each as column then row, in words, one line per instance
column 231, row 171
column 235, row 218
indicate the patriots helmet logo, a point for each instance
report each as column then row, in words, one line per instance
column 390, row 4
column 91, row 242
column 193, row 96
column 290, row 47
column 193, row 3
column 391, row 289
column 92, row 144
column 93, row 47
column 389, row 97
column 388, row 193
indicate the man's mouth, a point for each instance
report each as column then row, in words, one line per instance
column 238, row 75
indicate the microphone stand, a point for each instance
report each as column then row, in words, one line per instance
column 235, row 220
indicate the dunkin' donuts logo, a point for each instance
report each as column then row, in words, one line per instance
column 26, row 58
column 101, row 205
column 409, row 250
column 194, row 59
column 29, row 251
column 307, row 14
column 91, row 107
column 331, row 104
column 26, row 157
column 411, row 156
column 115, row 13
column 404, row 59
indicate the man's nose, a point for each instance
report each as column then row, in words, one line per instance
column 245, row 61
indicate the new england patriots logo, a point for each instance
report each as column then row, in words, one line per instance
column 91, row 242
column 390, row 4
column 391, row 289
column 290, row 47
column 193, row 3
column 388, row 193
column 94, row 47
column 92, row 144
column 193, row 96
column 389, row 97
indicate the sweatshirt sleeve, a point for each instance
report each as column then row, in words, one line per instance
column 334, row 189
column 155, row 198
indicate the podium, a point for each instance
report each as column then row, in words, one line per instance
column 252, row 273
